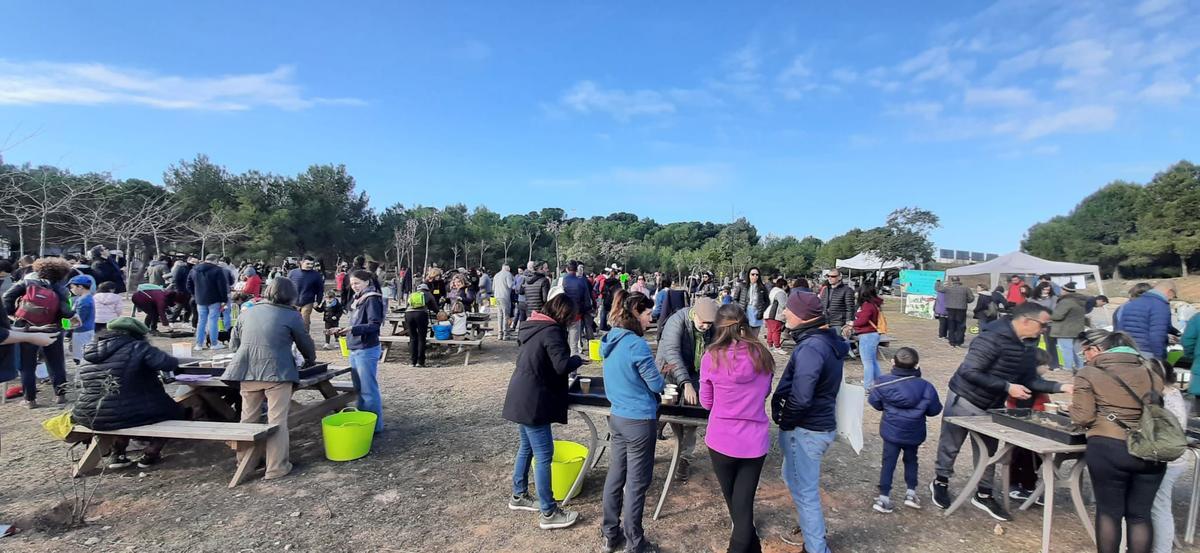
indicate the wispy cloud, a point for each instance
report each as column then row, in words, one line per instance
column 588, row 97
column 1166, row 91
column 98, row 84
column 998, row 97
column 1075, row 120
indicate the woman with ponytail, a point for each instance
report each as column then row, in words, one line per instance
column 735, row 380
column 633, row 383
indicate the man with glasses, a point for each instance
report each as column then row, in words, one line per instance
column 837, row 299
column 681, row 343
column 1000, row 363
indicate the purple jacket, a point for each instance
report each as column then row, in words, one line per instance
column 939, row 305
column 736, row 395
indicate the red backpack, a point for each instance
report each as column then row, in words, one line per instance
column 38, row 306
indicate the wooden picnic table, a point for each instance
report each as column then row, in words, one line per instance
column 1053, row 455
column 478, row 325
column 224, row 401
column 596, row 445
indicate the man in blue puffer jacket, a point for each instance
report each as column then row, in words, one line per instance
column 1148, row 319
column 906, row 400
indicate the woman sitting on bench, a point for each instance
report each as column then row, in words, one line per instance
column 122, row 389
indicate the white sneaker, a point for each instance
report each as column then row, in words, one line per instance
column 912, row 500
column 883, row 505
column 198, row 348
column 218, row 346
column 327, row 346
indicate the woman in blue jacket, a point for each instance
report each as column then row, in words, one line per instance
column 633, row 383
column 362, row 338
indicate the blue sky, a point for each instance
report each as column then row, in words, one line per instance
column 805, row 117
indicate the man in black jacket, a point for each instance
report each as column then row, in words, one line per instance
column 837, row 299
column 1000, row 363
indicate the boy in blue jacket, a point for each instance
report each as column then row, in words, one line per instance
column 84, row 323
column 906, row 400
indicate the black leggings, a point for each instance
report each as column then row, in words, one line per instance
column 416, row 322
column 1125, row 487
column 56, row 365
column 739, row 481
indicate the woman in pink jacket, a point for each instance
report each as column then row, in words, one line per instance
column 735, row 380
column 109, row 305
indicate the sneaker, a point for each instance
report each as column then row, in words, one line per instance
column 1021, row 494
column 883, row 504
column 218, row 347
column 147, row 461
column 613, row 545
column 795, row 536
column 522, row 503
column 61, row 399
column 559, row 518
column 31, row 404
column 120, row 462
column 327, row 346
column 940, row 492
column 912, row 500
column 198, row 348
column 648, row 547
column 989, row 505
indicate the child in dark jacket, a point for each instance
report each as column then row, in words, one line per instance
column 331, row 309
column 906, row 400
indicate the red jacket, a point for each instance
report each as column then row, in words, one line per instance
column 868, row 313
column 1015, row 297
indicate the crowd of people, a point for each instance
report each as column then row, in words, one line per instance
column 710, row 349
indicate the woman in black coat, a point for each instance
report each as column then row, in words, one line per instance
column 537, row 396
column 121, row 387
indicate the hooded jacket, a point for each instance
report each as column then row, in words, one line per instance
column 366, row 316
column 631, row 378
column 537, row 290
column 209, row 284
column 995, row 359
column 758, row 301
column 806, row 396
column 867, row 319
column 120, row 384
column 537, row 390
column 1147, row 318
column 1069, row 317
column 906, row 400
column 736, row 394
column 576, row 288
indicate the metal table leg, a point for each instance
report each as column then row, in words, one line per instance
column 593, row 443
column 1194, row 501
column 979, row 446
column 678, row 439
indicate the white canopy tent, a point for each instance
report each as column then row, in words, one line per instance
column 867, row 261
column 1020, row 263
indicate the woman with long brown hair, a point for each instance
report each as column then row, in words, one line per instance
column 735, row 380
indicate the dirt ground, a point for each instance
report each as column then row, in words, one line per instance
column 438, row 479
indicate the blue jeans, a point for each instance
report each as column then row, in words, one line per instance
column 868, row 348
column 364, row 364
column 206, row 323
column 1066, row 347
column 891, row 454
column 802, row 453
column 536, row 442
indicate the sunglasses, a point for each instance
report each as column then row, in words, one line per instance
column 1043, row 324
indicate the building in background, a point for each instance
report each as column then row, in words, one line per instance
column 963, row 257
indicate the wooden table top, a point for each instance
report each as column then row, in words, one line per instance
column 309, row 382
column 1032, row 442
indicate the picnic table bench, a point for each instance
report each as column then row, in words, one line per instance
column 102, row 440
column 222, row 400
column 463, row 345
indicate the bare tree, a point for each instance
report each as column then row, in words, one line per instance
column 430, row 221
column 14, row 209
column 404, row 238
column 532, row 232
column 215, row 228
column 555, row 228
column 507, row 239
column 455, row 249
column 52, row 197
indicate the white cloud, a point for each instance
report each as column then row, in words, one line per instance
column 935, row 64
column 1008, row 97
column 1074, row 120
column 1159, row 12
column 97, row 84
column 923, row 110
column 1166, row 91
column 586, row 97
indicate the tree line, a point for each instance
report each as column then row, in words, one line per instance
column 1130, row 229
column 202, row 207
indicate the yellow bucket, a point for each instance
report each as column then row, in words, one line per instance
column 493, row 301
column 565, row 468
column 594, row 350
column 348, row 434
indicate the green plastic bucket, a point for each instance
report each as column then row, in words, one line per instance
column 348, row 434
column 565, row 467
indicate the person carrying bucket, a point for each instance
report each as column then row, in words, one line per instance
column 537, row 397
column 362, row 337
